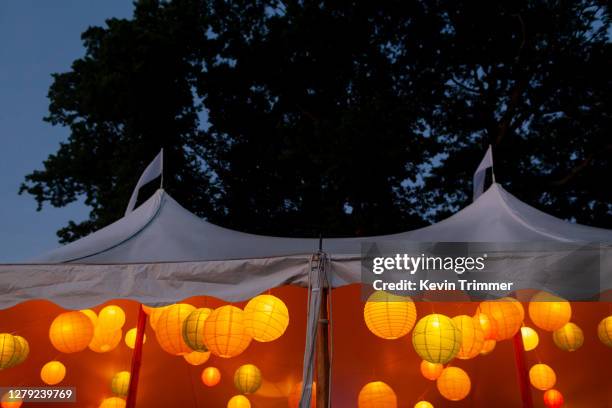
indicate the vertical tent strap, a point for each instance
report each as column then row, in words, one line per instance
column 323, row 360
column 136, row 359
column 521, row 370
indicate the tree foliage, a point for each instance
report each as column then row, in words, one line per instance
column 342, row 118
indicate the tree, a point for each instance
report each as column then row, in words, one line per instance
column 300, row 118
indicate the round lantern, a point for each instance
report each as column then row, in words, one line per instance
column 436, row 339
column 169, row 330
column 542, row 377
column 193, row 329
column 111, row 318
column 504, row 317
column 53, row 373
column 295, row 394
column 113, row 402
column 225, row 333
column 197, row 358
column 604, row 331
column 569, row 337
column 377, row 394
column 454, row 384
column 130, row 338
column 487, row 347
column 211, row 376
column 423, row 404
column 530, row 338
column 71, row 332
column 389, row 316
column 247, row 379
column 431, row 371
column 10, row 349
column 7, row 402
column 485, row 325
column 549, row 312
column 120, row 384
column 266, row 318
column 472, row 336
column 91, row 314
column 238, row 401
column 553, row 399
column 155, row 314
column 104, row 341
column 517, row 304
column 23, row 350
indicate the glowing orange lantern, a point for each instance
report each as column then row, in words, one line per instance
column 530, row 338
column 111, row 318
column 487, row 347
column 604, row 331
column 553, row 399
column 169, row 330
column 10, row 401
column 549, row 312
column 225, row 333
column 436, row 339
column 389, row 316
column 423, row 404
column 197, row 358
column 569, row 337
column 239, row 401
column 247, row 379
column 130, row 338
column 155, row 314
column 113, row 402
column 504, row 317
column 53, row 373
column 91, row 314
column 377, row 394
column 71, row 332
column 542, row 377
column 266, row 318
column 485, row 325
column 120, row 383
column 211, row 376
column 454, row 384
column 472, row 336
column 104, row 341
column 193, row 329
column 293, row 399
column 431, row 371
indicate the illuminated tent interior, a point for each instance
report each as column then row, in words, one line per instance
column 161, row 254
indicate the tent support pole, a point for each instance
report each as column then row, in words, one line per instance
column 322, row 386
column 136, row 359
column 521, row 370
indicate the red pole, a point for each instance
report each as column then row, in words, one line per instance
column 521, row 370
column 136, row 358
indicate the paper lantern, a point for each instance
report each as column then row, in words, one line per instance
column 225, row 333
column 542, row 377
column 431, row 371
column 487, row 347
column 517, row 304
column 389, row 316
column 104, row 341
column 10, row 402
column 155, row 314
column 504, row 318
column 23, row 350
column 130, row 338
column 472, row 336
column 10, row 349
column 197, row 358
column 113, row 402
column 604, row 331
column 553, row 399
column 71, row 332
column 569, row 337
column 211, row 376
column 295, row 394
column 120, row 384
column 485, row 325
column 266, row 318
column 53, row 373
column 169, row 330
column 193, row 329
column 247, row 379
column 423, row 404
column 530, row 338
column 549, row 312
column 454, row 384
column 377, row 394
column 111, row 318
column 436, row 339
column 238, row 401
column 91, row 315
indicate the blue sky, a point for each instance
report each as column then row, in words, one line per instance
column 37, row 38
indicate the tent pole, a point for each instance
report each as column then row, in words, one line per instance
column 136, row 358
column 323, row 366
column 521, row 370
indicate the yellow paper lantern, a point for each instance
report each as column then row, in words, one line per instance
column 113, row 402
column 431, row 371
column 197, row 358
column 549, row 312
column 542, row 377
column 604, row 331
column 91, row 315
column 120, row 384
column 569, row 337
column 487, row 347
column 71, row 332
column 423, row 404
column 239, row 401
column 530, row 338
column 23, row 350
column 10, row 402
column 169, row 331
column 454, row 384
column 225, row 333
column 211, row 376
column 389, row 316
column 504, row 317
column 436, row 339
column 104, row 341
column 377, row 394
column 154, row 315
column 111, row 318
column 10, row 349
column 193, row 329
column 247, row 379
column 266, row 318
column 53, row 373
column 472, row 336
column 130, row 338
column 295, row 394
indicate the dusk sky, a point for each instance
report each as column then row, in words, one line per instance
column 37, row 38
